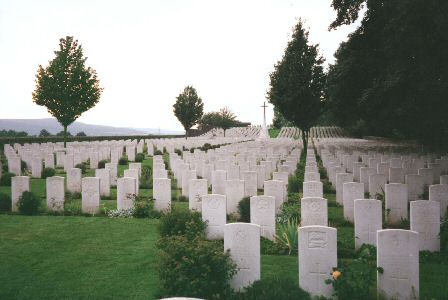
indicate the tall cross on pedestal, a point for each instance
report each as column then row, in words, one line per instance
column 264, row 113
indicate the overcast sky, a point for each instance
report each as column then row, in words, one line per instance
column 145, row 52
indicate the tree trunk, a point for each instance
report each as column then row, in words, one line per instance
column 224, row 133
column 65, row 136
column 186, row 133
column 305, row 139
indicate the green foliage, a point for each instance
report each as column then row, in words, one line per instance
column 182, row 198
column 182, row 222
column 178, row 151
column 287, row 235
column 197, row 268
column 5, row 202
column 298, row 83
column 144, row 208
column 83, row 168
column 48, row 172
column 44, row 133
column 188, row 108
column 391, row 73
column 12, row 133
column 28, row 203
column 444, row 234
column 102, row 163
column 268, row 247
column 244, row 210
column 289, row 210
column 273, row 288
column 293, row 184
column 139, row 157
column 66, row 87
column 62, row 133
column 23, row 166
column 146, row 180
column 81, row 133
column 5, row 180
column 158, row 152
column 356, row 279
column 123, row 161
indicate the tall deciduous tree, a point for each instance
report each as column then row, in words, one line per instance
column 391, row 77
column 227, row 119
column 66, row 87
column 298, row 83
column 188, row 108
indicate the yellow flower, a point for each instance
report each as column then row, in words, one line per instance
column 336, row 274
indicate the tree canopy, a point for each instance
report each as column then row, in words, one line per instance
column 66, row 87
column 298, row 82
column 44, row 133
column 391, row 76
column 224, row 119
column 188, row 108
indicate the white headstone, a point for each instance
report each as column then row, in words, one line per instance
column 74, row 180
column 90, row 195
column 398, row 256
column 396, row 202
column 317, row 258
column 104, row 176
column 262, row 212
column 377, row 183
column 250, row 183
column 415, row 185
column 133, row 174
column 439, row 193
column 314, row 211
column 234, row 194
column 214, row 213
column 276, row 189
column 243, row 241
column 350, row 192
column 425, row 219
column 219, row 178
column 342, row 178
column 19, row 184
column 55, row 193
column 126, row 192
column 313, row 189
column 162, row 194
column 197, row 188
column 368, row 219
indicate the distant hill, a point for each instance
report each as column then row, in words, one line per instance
column 34, row 126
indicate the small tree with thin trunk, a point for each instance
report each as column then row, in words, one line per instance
column 66, row 87
column 188, row 108
column 227, row 119
column 298, row 83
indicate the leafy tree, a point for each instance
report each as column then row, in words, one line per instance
column 44, row 133
column 63, row 133
column 12, row 133
column 227, row 119
column 66, row 87
column 391, row 77
column 81, row 133
column 209, row 120
column 298, row 83
column 188, row 108
column 279, row 120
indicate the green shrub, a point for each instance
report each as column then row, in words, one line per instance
column 158, row 152
column 4, row 166
column 48, row 172
column 444, row 234
column 273, row 288
column 269, row 247
column 23, row 166
column 139, row 157
column 356, row 279
column 182, row 198
column 5, row 202
column 83, row 168
column 102, row 163
column 28, row 203
column 182, row 222
column 145, row 180
column 293, row 184
column 244, row 210
column 197, row 268
column 123, row 161
column 178, row 151
column 288, row 236
column 288, row 211
column 144, row 208
column 5, row 180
